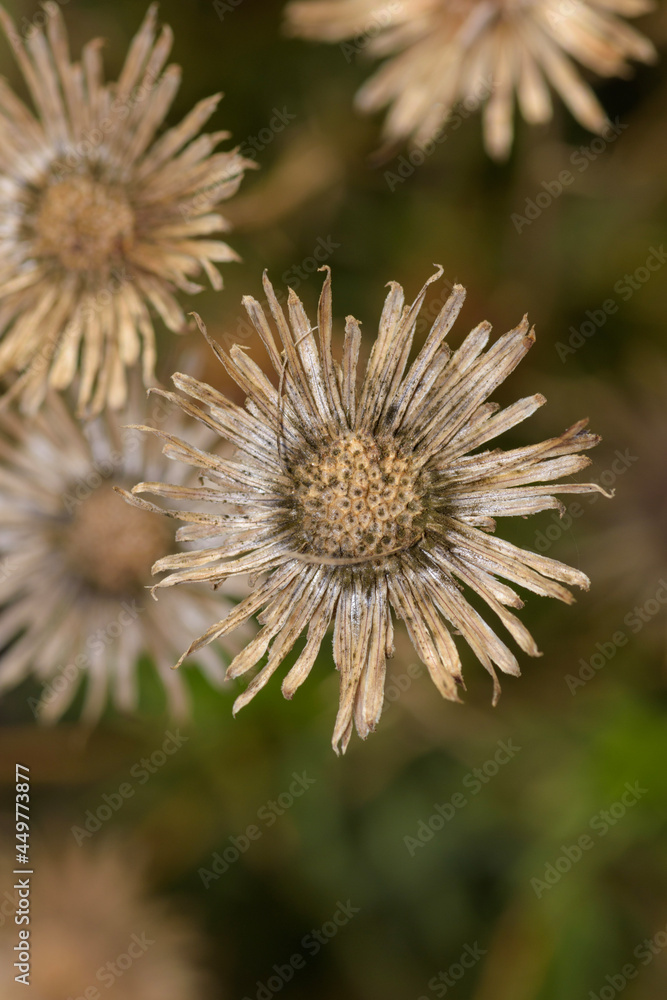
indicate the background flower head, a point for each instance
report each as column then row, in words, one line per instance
column 479, row 52
column 359, row 500
column 101, row 222
column 75, row 560
column 95, row 926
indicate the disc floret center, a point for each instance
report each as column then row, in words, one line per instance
column 358, row 498
column 86, row 225
column 110, row 546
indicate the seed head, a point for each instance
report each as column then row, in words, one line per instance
column 104, row 222
column 355, row 500
column 75, row 608
column 447, row 58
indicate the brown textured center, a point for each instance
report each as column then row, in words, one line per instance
column 358, row 498
column 112, row 546
column 85, row 224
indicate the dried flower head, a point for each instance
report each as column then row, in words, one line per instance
column 445, row 52
column 94, row 924
column 101, row 223
column 75, row 563
column 354, row 502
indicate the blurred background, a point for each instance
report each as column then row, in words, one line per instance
column 515, row 853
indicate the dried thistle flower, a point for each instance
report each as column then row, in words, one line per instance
column 100, row 222
column 355, row 502
column 443, row 52
column 75, row 561
column 94, row 924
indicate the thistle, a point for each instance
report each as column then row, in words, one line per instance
column 102, row 223
column 351, row 501
column 479, row 52
column 75, row 563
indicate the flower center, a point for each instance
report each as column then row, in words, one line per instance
column 112, row 546
column 85, row 224
column 358, row 498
